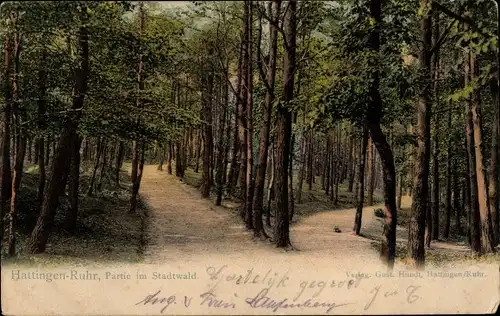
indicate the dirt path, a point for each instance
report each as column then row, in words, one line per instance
column 185, row 227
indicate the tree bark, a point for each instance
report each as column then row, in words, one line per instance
column 207, row 134
column 249, row 111
column 5, row 170
column 371, row 172
column 361, row 180
column 493, row 173
column 474, row 217
column 487, row 239
column 59, row 167
column 100, row 147
column 284, row 129
column 416, row 250
column 219, row 175
column 19, row 149
column 74, row 184
column 260, row 177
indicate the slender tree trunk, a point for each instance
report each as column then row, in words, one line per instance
column 371, row 172
column 220, row 154
column 487, row 239
column 118, row 162
column 60, row 163
column 236, row 156
column 103, row 165
column 284, row 129
column 74, row 184
column 448, row 206
column 249, row 111
column 5, row 170
column 416, row 250
column 361, row 180
column 433, row 217
column 474, row 217
column 136, row 172
column 100, row 146
column 302, row 167
column 260, row 177
column 137, row 183
column 493, row 173
column 207, row 134
column 19, row 149
column 352, row 163
column 169, row 158
column 456, row 197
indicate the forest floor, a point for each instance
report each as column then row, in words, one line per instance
column 183, row 227
column 105, row 232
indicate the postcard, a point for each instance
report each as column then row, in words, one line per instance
column 249, row 157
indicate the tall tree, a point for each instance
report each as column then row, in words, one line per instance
column 416, row 249
column 273, row 9
column 284, row 128
column 60, row 163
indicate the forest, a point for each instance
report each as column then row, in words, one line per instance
column 269, row 105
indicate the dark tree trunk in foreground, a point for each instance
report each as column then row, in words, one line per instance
column 456, row 198
column 260, row 177
column 136, row 167
column 118, row 161
column 219, row 174
column 74, row 184
column 487, row 238
column 371, row 172
column 284, row 130
column 249, row 116
column 474, row 218
column 233, row 175
column 433, row 219
column 388, row 248
column 60, row 163
column 5, row 169
column 361, row 180
column 19, row 149
column 42, row 108
column 416, row 250
column 207, row 135
column 493, row 173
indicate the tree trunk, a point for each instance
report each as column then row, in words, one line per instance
column 249, row 115
column 236, row 156
column 474, row 217
column 302, row 167
column 220, row 154
column 487, row 239
column 433, row 219
column 118, row 162
column 493, row 173
column 5, row 170
column 19, row 149
column 207, row 134
column 361, row 180
column 416, row 250
column 60, row 163
column 103, row 165
column 169, row 158
column 100, row 146
column 371, row 172
column 260, row 177
column 74, row 184
column 456, row 197
column 137, row 183
column 447, row 214
column 284, row 130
